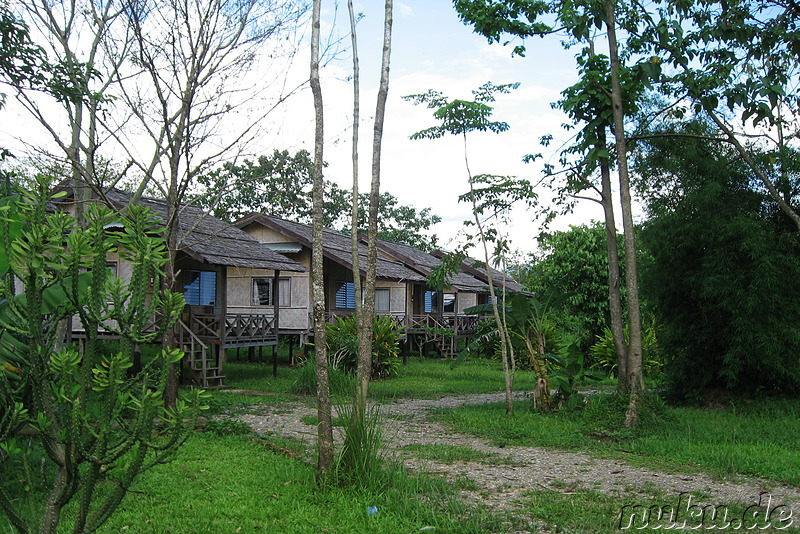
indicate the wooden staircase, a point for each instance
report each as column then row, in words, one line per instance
column 445, row 344
column 204, row 368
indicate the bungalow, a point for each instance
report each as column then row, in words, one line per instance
column 294, row 240
column 217, row 264
column 402, row 289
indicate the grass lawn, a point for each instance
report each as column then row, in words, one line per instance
column 420, row 379
column 233, row 484
column 755, row 438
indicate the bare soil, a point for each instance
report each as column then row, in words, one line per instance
column 510, row 472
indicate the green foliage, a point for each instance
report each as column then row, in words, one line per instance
column 530, row 327
column 570, row 371
column 280, row 185
column 361, row 461
column 491, row 196
column 341, row 383
column 603, row 354
column 20, row 60
column 342, row 337
column 458, row 117
column 573, row 263
column 722, row 273
column 97, row 419
column 263, row 485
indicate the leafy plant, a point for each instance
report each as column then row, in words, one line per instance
column 604, row 356
column 570, row 371
column 361, row 460
column 95, row 417
column 342, row 337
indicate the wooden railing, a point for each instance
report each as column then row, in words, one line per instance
column 234, row 329
column 461, row 325
column 249, row 329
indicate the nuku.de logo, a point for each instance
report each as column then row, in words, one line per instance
column 683, row 514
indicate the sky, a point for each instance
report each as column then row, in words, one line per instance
column 432, row 49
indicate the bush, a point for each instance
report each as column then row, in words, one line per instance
column 343, row 345
column 604, row 355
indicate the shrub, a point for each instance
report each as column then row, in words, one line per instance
column 343, row 345
column 604, row 355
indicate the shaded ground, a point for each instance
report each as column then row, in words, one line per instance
column 505, row 474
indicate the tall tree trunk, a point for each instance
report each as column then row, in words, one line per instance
column 364, row 343
column 634, row 369
column 614, row 290
column 365, row 331
column 324, row 426
column 506, row 348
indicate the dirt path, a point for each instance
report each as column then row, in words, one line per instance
column 518, row 470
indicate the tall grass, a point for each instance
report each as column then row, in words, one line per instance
column 362, row 459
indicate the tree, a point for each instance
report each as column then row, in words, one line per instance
column 164, row 107
column 97, row 424
column 324, row 425
column 738, row 57
column 495, row 18
column 366, row 311
column 573, row 263
column 489, row 195
column 722, row 258
column 280, row 185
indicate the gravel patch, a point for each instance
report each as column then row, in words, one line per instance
column 512, row 471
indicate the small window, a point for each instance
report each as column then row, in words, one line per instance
column 345, row 296
column 449, row 302
column 263, row 293
column 200, row 288
column 383, row 299
column 112, row 268
column 483, row 298
column 431, row 301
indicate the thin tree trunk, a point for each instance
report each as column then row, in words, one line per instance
column 324, row 425
column 634, row 369
column 364, row 341
column 614, row 292
column 506, row 349
column 368, row 310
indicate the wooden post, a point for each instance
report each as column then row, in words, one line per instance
column 276, row 293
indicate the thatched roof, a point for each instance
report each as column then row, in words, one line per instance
column 210, row 240
column 336, row 246
column 477, row 269
column 424, row 263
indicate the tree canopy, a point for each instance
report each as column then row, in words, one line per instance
column 722, row 270
column 280, row 184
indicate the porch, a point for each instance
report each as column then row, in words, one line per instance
column 204, row 338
